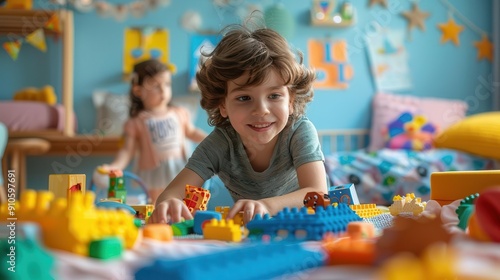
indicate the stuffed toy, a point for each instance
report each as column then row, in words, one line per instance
column 45, row 94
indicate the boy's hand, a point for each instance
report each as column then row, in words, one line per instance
column 170, row 210
column 249, row 207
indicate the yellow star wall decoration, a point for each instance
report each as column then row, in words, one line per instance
column 451, row 31
column 484, row 49
column 415, row 17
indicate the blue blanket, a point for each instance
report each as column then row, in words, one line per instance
column 381, row 175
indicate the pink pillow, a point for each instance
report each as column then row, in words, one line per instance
column 388, row 107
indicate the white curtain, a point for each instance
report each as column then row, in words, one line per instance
column 496, row 55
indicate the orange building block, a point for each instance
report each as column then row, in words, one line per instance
column 161, row 232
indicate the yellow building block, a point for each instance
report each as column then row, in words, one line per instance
column 222, row 230
column 73, row 226
column 366, row 210
column 224, row 210
column 63, row 185
column 447, row 187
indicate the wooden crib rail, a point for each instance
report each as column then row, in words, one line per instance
column 334, row 140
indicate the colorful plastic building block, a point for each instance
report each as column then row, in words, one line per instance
column 366, row 210
column 143, row 212
column 183, row 228
column 222, row 230
column 64, row 185
column 248, row 261
column 224, row 210
column 449, row 186
column 357, row 247
column 465, row 209
column 196, row 198
column 343, row 194
column 411, row 235
column 161, row 232
column 295, row 224
column 106, row 248
column 71, row 226
column 116, row 186
column 203, row 217
column 407, row 205
column 313, row 199
column 484, row 223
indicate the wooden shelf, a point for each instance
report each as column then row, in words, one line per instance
column 23, row 22
column 83, row 145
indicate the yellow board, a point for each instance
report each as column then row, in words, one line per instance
column 447, row 187
column 142, row 44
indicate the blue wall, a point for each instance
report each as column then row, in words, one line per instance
column 437, row 70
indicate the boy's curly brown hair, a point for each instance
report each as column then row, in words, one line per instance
column 256, row 52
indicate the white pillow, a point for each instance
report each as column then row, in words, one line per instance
column 112, row 110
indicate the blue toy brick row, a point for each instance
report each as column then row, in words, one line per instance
column 251, row 261
column 295, row 222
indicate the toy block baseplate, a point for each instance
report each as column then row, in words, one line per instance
column 295, row 224
column 449, row 186
column 343, row 194
column 250, row 261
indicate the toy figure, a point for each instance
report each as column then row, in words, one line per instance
column 156, row 131
column 263, row 148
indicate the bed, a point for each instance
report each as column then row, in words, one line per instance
column 381, row 174
column 409, row 138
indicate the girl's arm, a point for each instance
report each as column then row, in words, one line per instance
column 169, row 205
column 195, row 134
column 124, row 155
column 311, row 177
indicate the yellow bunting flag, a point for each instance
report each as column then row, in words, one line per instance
column 37, row 39
column 53, row 23
column 12, row 48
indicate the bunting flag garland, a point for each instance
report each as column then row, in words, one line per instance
column 37, row 39
column 53, row 23
column 451, row 31
column 12, row 48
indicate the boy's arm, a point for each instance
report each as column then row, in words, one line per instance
column 311, row 177
column 169, row 205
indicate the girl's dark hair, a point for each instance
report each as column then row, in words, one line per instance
column 256, row 52
column 141, row 71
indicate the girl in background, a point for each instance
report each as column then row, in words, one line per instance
column 156, row 132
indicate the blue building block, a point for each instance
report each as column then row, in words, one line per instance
column 200, row 217
column 295, row 224
column 251, row 261
column 343, row 194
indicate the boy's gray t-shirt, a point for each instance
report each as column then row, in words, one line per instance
column 222, row 153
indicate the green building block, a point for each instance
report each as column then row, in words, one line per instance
column 106, row 248
column 183, row 228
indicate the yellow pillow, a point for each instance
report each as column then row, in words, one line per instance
column 477, row 134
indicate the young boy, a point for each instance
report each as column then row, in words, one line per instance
column 263, row 148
